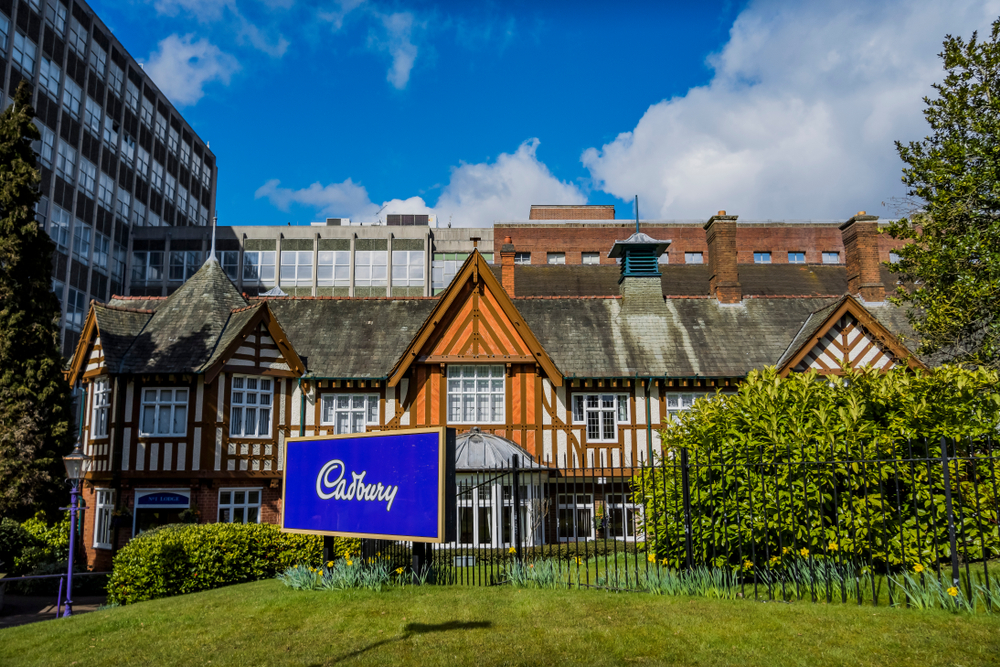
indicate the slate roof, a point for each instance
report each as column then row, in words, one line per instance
column 587, row 329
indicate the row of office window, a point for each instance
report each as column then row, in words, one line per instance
column 796, row 257
column 761, row 257
column 476, row 395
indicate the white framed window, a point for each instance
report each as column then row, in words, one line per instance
column 59, row 222
column 408, row 268
column 679, row 403
column 602, row 413
column 81, row 242
column 694, row 258
column 184, row 264
column 98, row 59
column 142, row 161
column 104, row 505
column 831, row 257
column 258, row 266
column 239, row 505
column 555, row 258
column 124, row 203
column 575, row 516
column 476, row 394
column 128, row 148
column 297, row 268
column 24, row 54
column 350, row 413
column 71, row 98
column 102, row 248
column 49, row 76
column 172, row 138
column 206, row 175
column 66, row 161
column 334, row 268
column 77, row 36
column 250, row 407
column 106, row 191
column 370, row 268
column 522, row 258
column 762, row 258
column 164, row 411
column 101, row 408
column 88, row 175
column 169, row 187
column 590, row 257
column 185, row 152
column 796, row 258
column 624, row 516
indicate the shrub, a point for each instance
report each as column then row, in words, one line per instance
column 14, row 541
column 185, row 558
column 819, row 464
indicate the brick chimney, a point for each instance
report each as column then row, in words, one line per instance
column 724, row 284
column 507, row 265
column 864, row 278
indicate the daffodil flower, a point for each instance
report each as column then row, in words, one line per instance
column 918, row 568
column 953, row 592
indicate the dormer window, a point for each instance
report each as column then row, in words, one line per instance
column 475, row 394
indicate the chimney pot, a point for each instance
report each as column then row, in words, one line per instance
column 506, row 239
column 862, row 213
column 722, row 212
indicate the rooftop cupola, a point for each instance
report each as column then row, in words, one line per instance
column 638, row 256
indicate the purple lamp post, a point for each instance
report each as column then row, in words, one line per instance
column 75, row 462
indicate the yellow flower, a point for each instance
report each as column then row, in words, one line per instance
column 747, row 565
column 651, row 558
column 784, row 550
column 512, row 550
column 774, row 560
column 665, row 561
column 579, row 561
column 804, row 552
column 330, row 564
column 953, row 592
column 918, row 568
column 832, row 546
column 350, row 563
column 399, row 570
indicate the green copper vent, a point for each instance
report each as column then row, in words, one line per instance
column 638, row 256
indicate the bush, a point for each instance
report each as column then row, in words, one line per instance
column 14, row 541
column 819, row 464
column 185, row 558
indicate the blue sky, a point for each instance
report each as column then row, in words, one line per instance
column 474, row 111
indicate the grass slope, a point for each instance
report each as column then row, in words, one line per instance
column 264, row 623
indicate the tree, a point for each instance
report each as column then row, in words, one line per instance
column 954, row 263
column 35, row 426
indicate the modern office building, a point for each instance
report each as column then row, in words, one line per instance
column 329, row 258
column 114, row 153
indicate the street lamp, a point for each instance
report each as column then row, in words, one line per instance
column 75, row 463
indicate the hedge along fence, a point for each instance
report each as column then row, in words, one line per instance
column 842, row 468
column 186, row 558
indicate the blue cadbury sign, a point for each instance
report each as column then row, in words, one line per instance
column 388, row 485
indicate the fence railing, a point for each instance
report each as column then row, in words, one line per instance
column 868, row 522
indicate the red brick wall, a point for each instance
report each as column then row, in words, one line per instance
column 571, row 213
column 778, row 239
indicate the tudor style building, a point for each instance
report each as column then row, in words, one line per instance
column 189, row 398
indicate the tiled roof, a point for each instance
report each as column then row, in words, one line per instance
column 118, row 329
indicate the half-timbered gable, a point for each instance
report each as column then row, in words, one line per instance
column 844, row 334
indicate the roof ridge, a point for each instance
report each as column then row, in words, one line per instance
column 343, row 298
column 138, row 298
column 123, row 309
column 249, row 307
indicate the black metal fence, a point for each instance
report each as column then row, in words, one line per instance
column 901, row 522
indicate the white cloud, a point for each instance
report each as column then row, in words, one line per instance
column 250, row 33
column 203, row 10
column 397, row 41
column 476, row 196
column 800, row 116
column 207, row 11
column 336, row 16
column 182, row 67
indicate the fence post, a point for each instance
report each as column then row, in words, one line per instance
column 686, row 486
column 328, row 548
column 949, row 509
column 515, row 460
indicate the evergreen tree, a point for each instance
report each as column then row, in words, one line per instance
column 954, row 174
column 34, row 398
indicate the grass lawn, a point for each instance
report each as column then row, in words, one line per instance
column 264, row 623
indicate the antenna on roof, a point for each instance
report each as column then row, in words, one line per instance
column 215, row 222
column 637, row 214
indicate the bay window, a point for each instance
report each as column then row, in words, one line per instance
column 350, row 413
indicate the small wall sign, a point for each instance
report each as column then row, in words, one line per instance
column 395, row 485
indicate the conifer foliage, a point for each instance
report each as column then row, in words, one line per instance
column 953, row 174
column 34, row 398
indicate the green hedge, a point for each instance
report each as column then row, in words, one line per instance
column 179, row 558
